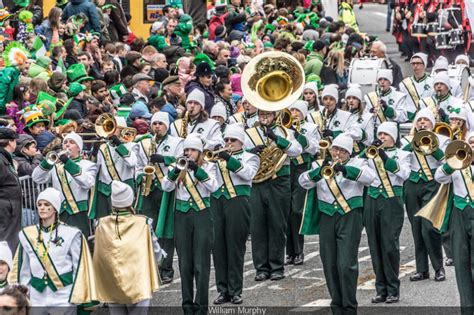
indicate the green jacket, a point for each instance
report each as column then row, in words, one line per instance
column 183, row 30
column 8, row 79
column 314, row 64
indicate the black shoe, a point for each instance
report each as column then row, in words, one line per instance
column 289, row 260
column 449, row 262
column 361, row 7
column 387, row 30
column 222, row 298
column 392, row 299
column 420, row 276
column 261, row 277
column 166, row 280
column 440, row 275
column 236, row 299
column 276, row 277
column 379, row 299
column 299, row 259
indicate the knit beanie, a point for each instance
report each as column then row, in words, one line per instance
column 389, row 128
column 122, row 195
column 300, row 105
column 161, row 117
column 51, row 195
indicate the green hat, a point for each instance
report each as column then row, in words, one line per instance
column 204, row 58
column 108, row 6
column 77, row 73
column 21, row 3
column 62, row 122
column 32, row 117
column 117, row 91
column 43, row 61
column 268, row 45
column 315, row 78
column 46, row 103
column 309, row 45
column 61, row 3
column 75, row 88
column 269, row 27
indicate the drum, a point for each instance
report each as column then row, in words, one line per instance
column 461, row 74
column 456, row 37
column 418, row 30
column 442, row 40
column 364, row 72
column 432, row 28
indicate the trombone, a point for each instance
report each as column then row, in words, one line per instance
column 425, row 142
column 458, row 155
column 105, row 127
column 212, row 156
column 53, row 156
column 372, row 151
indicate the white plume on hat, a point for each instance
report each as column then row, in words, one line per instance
column 235, row 131
column 76, row 138
column 161, row 117
column 6, row 254
column 51, row 195
column 344, row 141
column 422, row 56
column 193, row 142
column 219, row 110
column 300, row 105
column 385, row 74
column 331, row 90
column 442, row 77
column 197, row 96
column 122, row 195
column 389, row 128
column 426, row 113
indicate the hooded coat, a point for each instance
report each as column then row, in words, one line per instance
column 88, row 8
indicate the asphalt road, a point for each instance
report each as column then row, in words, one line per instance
column 304, row 288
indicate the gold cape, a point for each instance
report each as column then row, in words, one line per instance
column 124, row 260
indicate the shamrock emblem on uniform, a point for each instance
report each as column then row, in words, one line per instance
column 427, row 87
column 200, row 130
column 303, row 131
column 166, row 148
column 336, row 123
column 391, row 102
column 58, row 241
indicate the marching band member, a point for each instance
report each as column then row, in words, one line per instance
column 442, row 102
column 219, row 114
column 126, row 251
column 340, row 203
column 334, row 120
column 442, row 65
column 116, row 160
column 230, row 206
column 310, row 95
column 364, row 135
column 196, row 120
column 307, row 135
column 461, row 222
column 386, row 103
column 418, row 86
column 383, row 211
column 194, row 185
column 6, row 264
column 157, row 149
column 73, row 177
column 53, row 259
column 270, row 199
column 248, row 117
column 419, row 189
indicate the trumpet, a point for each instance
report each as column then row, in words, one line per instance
column 425, row 142
column 210, row 156
column 296, row 123
column 53, row 156
column 372, row 151
column 182, row 163
column 328, row 171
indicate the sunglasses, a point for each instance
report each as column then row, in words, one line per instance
column 230, row 140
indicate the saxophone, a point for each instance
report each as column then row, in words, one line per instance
column 149, row 170
column 184, row 125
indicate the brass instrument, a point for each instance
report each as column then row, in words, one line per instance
column 184, row 125
column 210, row 156
column 458, row 155
column 327, row 171
column 425, row 142
column 105, row 126
column 296, row 124
column 149, row 172
column 128, row 134
column 182, row 163
column 324, row 145
column 444, row 129
column 372, row 151
column 53, row 156
column 272, row 80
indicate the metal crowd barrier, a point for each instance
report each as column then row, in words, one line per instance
column 30, row 191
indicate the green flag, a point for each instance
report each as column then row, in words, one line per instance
column 38, row 47
column 61, row 67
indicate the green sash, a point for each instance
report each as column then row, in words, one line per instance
column 379, row 165
column 66, row 189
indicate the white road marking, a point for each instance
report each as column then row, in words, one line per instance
column 384, row 15
column 405, row 269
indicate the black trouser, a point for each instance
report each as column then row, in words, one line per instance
column 463, row 251
column 150, row 207
column 79, row 220
column 231, row 230
column 270, row 205
column 383, row 220
column 427, row 239
column 103, row 205
column 193, row 235
column 294, row 240
column 339, row 240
